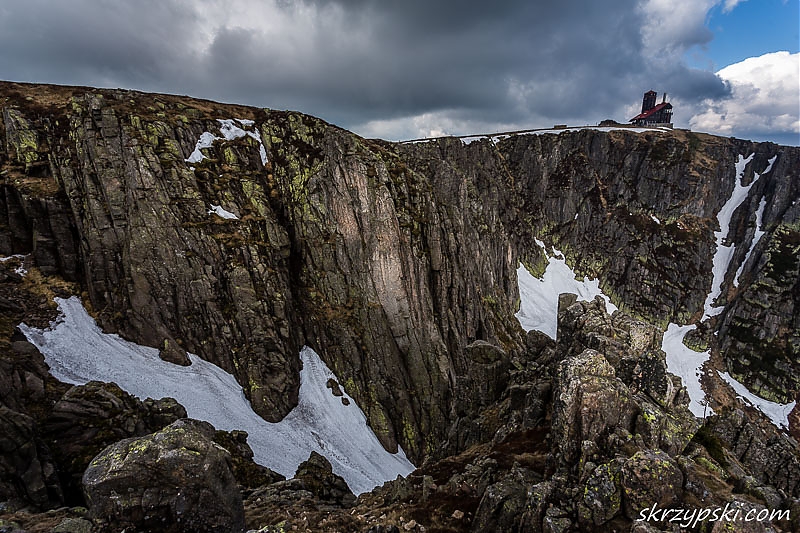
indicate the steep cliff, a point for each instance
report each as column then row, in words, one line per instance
column 241, row 234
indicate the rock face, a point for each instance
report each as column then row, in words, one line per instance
column 175, row 480
column 26, row 469
column 395, row 262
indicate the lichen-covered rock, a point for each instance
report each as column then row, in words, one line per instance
column 92, row 416
column 504, row 503
column 772, row 457
column 650, row 478
column 589, row 403
column 602, row 494
column 175, row 480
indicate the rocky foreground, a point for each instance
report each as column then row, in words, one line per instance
column 242, row 234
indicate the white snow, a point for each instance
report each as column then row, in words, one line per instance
column 470, row 140
column 538, row 307
column 771, row 162
column 20, row 270
column 757, row 234
column 218, row 210
column 778, row 413
column 655, row 219
column 77, row 351
column 206, row 141
column 597, row 128
column 687, row 364
column 724, row 253
column 229, row 131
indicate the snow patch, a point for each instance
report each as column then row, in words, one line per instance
column 10, row 257
column 655, row 219
column 470, row 140
column 724, row 254
column 219, row 211
column 687, row 364
column 757, row 234
column 206, row 141
column 230, row 131
column 778, row 413
column 77, row 351
column 770, row 163
column 539, row 296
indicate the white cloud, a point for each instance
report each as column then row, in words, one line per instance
column 434, row 124
column 730, row 4
column 672, row 26
column 765, row 98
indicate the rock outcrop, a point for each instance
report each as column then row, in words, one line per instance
column 175, row 480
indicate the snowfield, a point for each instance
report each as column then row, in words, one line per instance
column 77, row 352
column 538, row 308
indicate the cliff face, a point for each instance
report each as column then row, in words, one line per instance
column 391, row 261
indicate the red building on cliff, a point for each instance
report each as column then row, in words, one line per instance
column 652, row 114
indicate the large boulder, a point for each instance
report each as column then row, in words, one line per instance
column 92, row 416
column 175, row 480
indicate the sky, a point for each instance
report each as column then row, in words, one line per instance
column 417, row 68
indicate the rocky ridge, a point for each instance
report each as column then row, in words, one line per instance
column 397, row 264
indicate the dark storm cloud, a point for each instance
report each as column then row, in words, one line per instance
column 89, row 42
column 352, row 61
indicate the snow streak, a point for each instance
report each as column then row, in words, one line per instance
column 77, row 351
column 229, row 131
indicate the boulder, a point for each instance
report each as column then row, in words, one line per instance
column 502, row 505
column 92, row 416
column 650, row 478
column 175, row 480
column 248, row 473
column 317, row 477
column 602, row 495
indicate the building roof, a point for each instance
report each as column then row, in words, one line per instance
column 649, row 112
